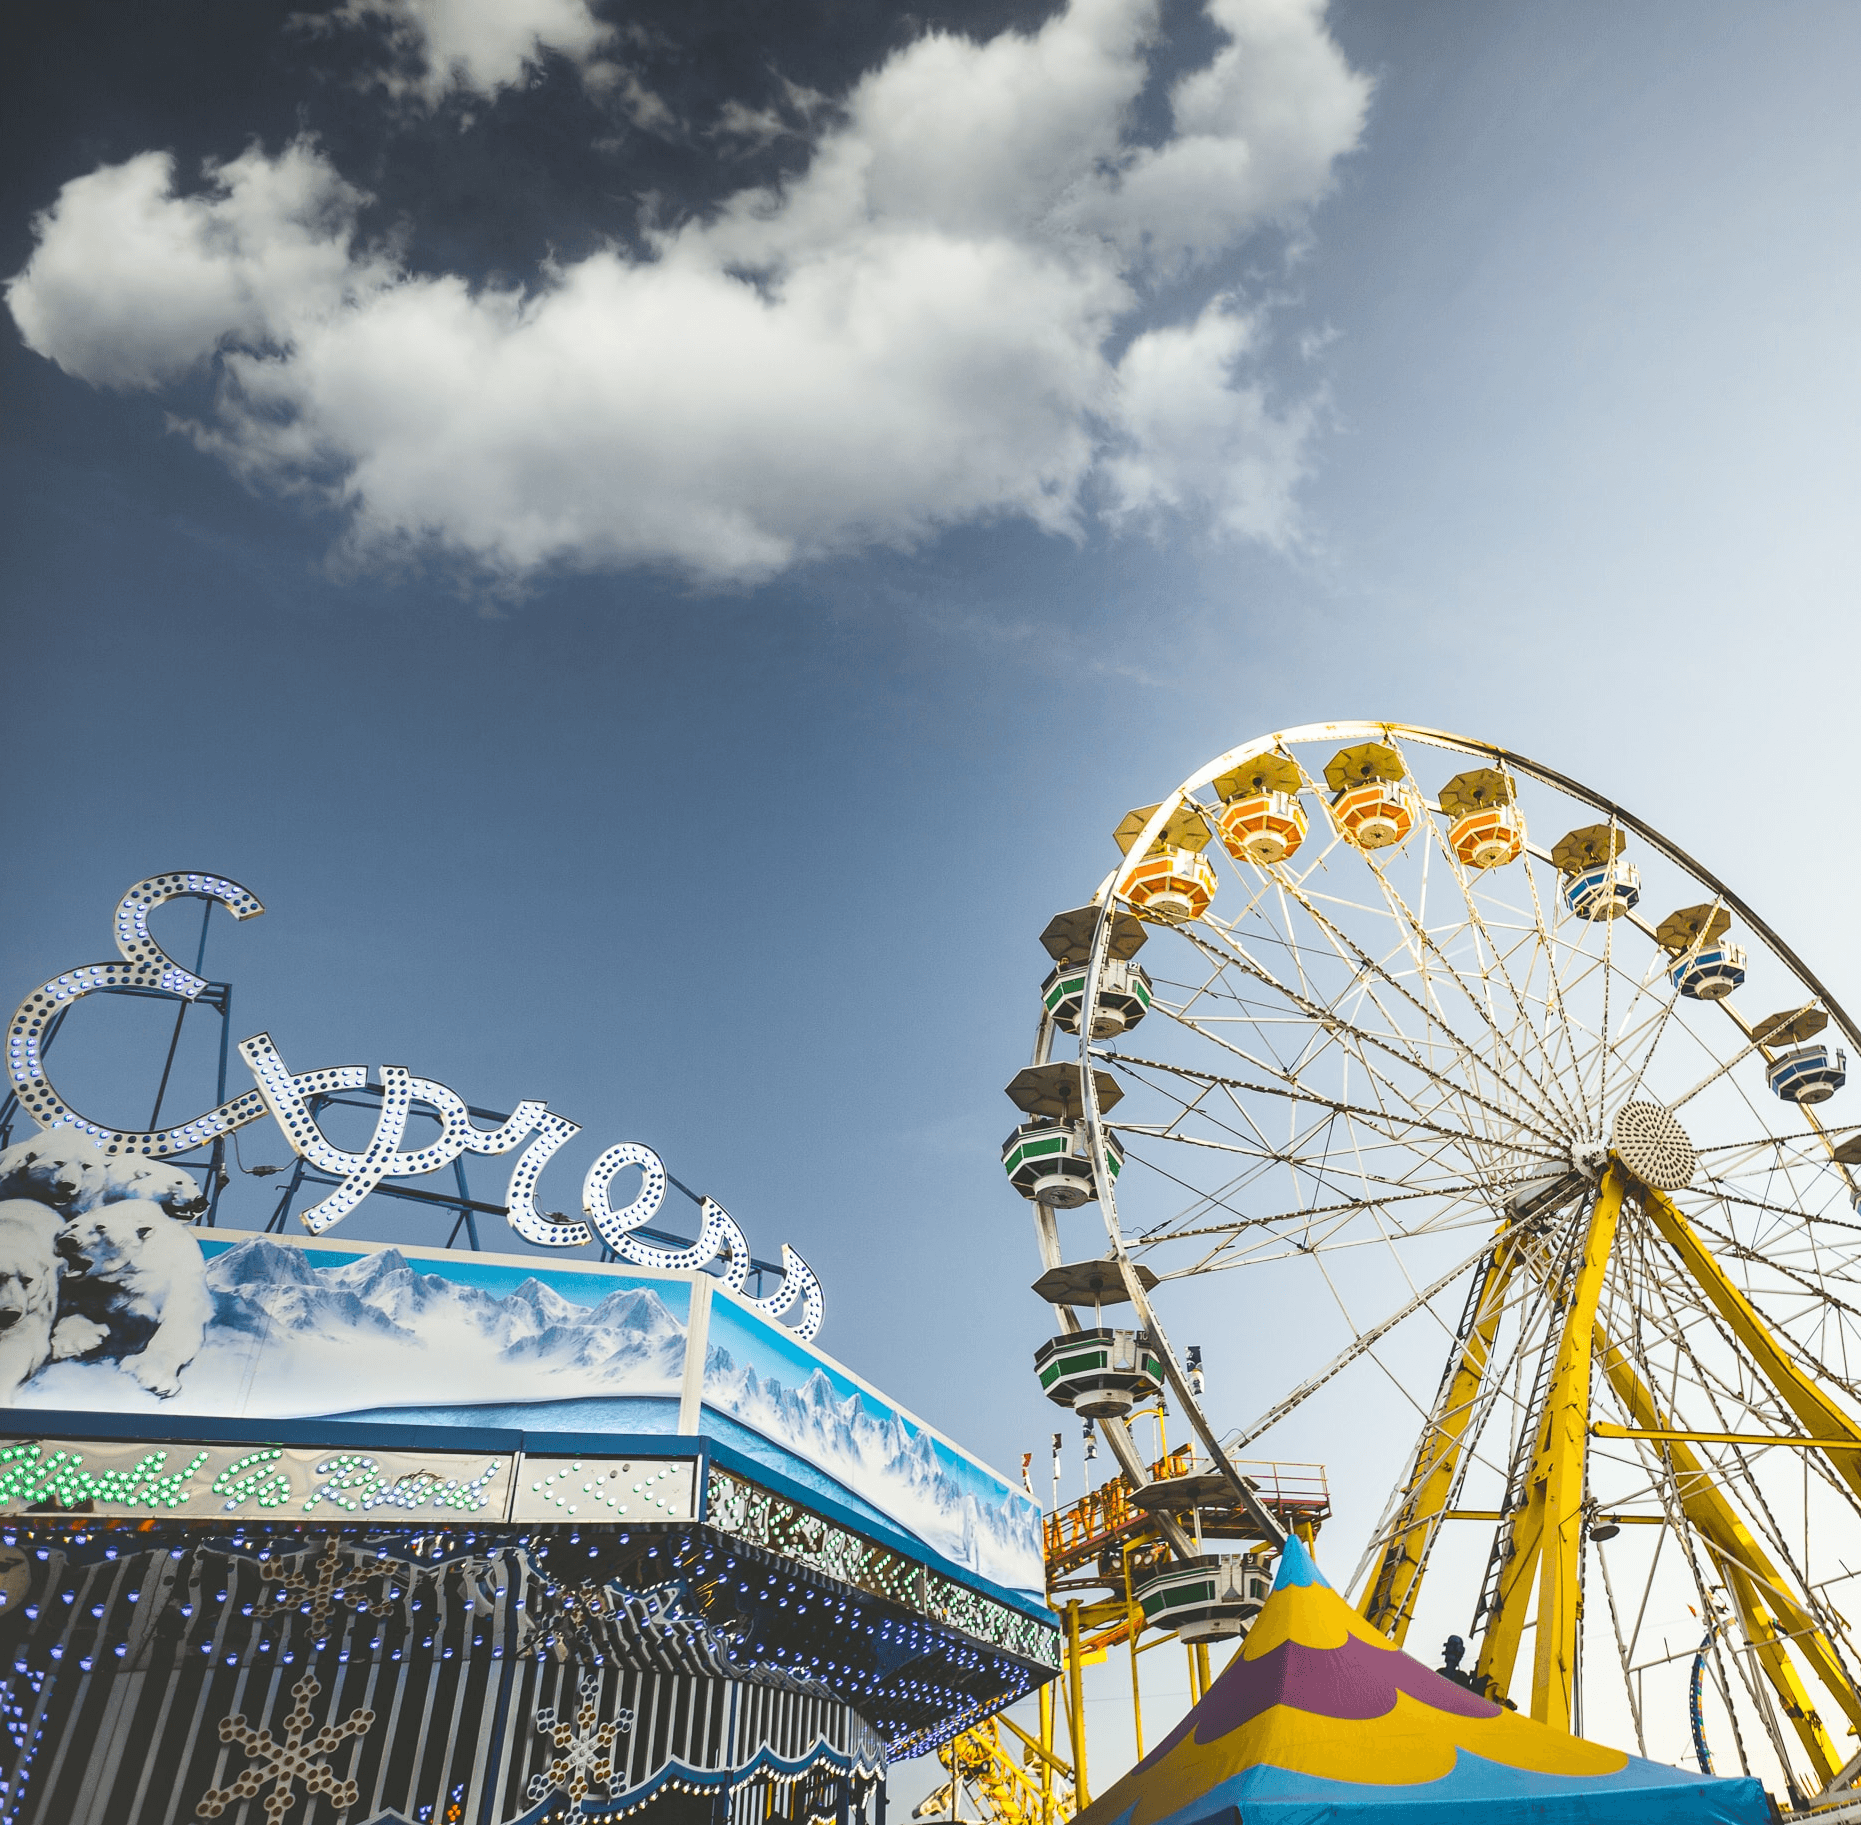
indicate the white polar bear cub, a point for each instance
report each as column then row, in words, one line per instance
column 135, row 1293
column 60, row 1167
column 29, row 1269
column 176, row 1191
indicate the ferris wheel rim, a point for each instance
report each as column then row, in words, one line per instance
column 1347, row 730
column 1473, row 748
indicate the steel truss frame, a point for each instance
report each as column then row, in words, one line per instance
column 1532, row 1274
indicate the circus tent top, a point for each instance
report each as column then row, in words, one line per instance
column 1320, row 1721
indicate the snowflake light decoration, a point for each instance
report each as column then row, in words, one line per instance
column 281, row 1765
column 584, row 1752
column 288, row 1590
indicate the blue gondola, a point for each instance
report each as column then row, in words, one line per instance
column 1711, row 974
column 1603, row 892
column 1808, row 1075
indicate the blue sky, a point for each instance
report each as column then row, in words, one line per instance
column 1518, row 397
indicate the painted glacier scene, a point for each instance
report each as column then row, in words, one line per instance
column 299, row 1330
column 765, row 1381
column 293, row 1330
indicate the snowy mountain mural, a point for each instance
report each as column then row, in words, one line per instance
column 290, row 1338
column 963, row 1511
column 300, row 1330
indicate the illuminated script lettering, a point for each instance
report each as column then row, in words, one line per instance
column 31, row 1477
column 358, row 1484
column 288, row 1098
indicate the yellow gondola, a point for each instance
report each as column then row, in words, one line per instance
column 1373, row 807
column 1175, row 882
column 1261, row 820
column 1487, row 831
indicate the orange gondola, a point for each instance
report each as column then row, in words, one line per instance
column 1262, row 820
column 1373, row 807
column 1175, row 881
column 1487, row 831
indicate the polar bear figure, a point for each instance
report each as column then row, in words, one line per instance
column 29, row 1276
column 133, row 1177
column 135, row 1293
column 60, row 1167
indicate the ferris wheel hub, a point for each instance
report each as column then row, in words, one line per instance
column 1650, row 1142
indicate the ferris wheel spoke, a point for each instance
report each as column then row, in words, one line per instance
column 1728, row 1403
column 1288, row 1079
column 1337, row 1213
column 1559, row 1021
column 1323, row 1026
column 1547, row 1086
column 1155, row 1238
column 1409, row 1059
column 1820, row 1293
column 1423, row 944
column 1249, row 1142
column 1367, row 965
column 1299, row 1093
column 1314, row 1166
column 1495, row 1391
column 1608, row 986
column 1713, row 1076
column 1733, row 1468
column 1655, row 1030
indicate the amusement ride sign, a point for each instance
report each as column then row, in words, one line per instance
column 287, row 1096
column 421, row 1531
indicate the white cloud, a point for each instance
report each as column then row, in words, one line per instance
column 911, row 334
column 1256, row 133
column 131, row 285
column 1200, row 435
column 478, row 46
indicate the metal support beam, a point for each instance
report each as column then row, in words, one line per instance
column 1819, row 1415
column 1049, row 1762
column 1008, row 1723
column 1656, row 1435
column 1767, row 1645
column 1389, row 1602
column 1735, row 1550
column 1076, row 1707
column 1561, row 1469
column 1546, row 1535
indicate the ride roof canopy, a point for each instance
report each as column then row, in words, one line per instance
column 1319, row 1720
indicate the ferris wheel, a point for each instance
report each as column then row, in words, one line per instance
column 1528, row 1127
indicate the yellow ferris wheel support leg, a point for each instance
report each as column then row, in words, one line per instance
column 1499, row 1643
column 1756, row 1585
column 1820, row 1415
column 1565, row 1454
column 1768, row 1646
column 1389, row 1602
column 1547, row 1531
column 1076, row 1705
column 1046, row 1753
